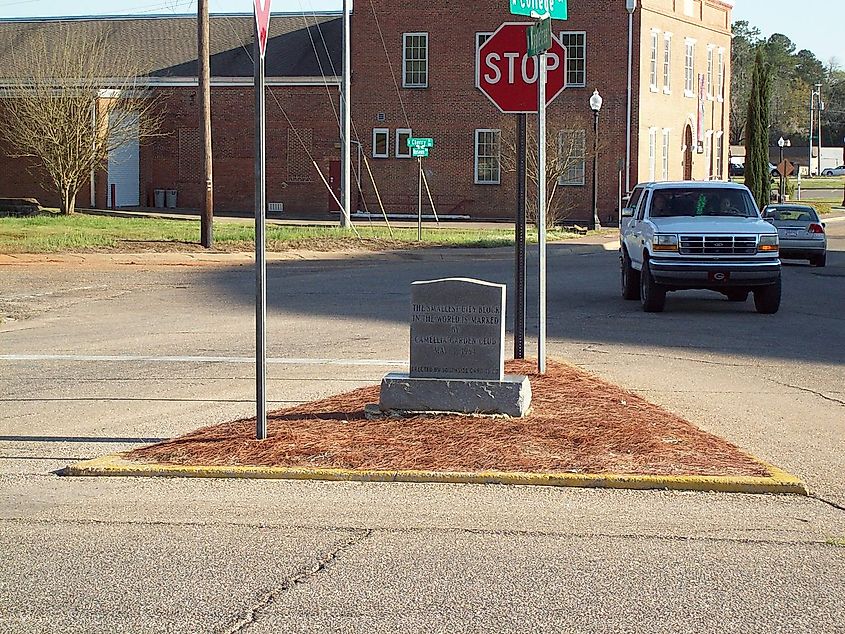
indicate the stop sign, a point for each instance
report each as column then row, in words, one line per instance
column 509, row 77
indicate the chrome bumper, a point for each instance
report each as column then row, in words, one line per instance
column 707, row 274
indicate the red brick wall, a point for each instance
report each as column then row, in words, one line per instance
column 451, row 108
column 174, row 160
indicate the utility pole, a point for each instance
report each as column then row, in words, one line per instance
column 204, row 81
column 346, row 132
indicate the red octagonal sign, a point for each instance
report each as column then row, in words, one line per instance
column 509, row 77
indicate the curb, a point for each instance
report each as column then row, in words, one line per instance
column 780, row 481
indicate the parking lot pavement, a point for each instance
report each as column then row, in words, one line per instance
column 102, row 359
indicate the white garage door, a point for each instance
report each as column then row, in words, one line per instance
column 124, row 171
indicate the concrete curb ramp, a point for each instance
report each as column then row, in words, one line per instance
column 779, row 482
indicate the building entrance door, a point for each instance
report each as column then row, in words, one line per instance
column 688, row 153
column 334, row 183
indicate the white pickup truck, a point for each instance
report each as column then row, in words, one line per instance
column 698, row 235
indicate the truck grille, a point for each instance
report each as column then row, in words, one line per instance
column 718, row 245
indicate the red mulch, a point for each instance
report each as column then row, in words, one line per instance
column 578, row 424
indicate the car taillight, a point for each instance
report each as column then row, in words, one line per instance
column 815, row 228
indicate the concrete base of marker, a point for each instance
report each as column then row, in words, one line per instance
column 400, row 391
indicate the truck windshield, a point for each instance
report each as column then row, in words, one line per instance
column 701, row 201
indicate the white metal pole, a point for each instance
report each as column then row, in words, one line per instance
column 631, row 6
column 810, row 143
column 260, row 262
column 541, row 206
column 346, row 133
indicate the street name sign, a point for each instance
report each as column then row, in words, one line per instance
column 539, row 37
column 555, row 9
column 419, row 152
column 420, row 142
column 508, row 75
column 262, row 19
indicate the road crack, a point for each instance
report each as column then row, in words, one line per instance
column 322, row 564
column 809, row 391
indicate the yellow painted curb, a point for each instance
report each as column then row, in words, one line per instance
column 779, row 482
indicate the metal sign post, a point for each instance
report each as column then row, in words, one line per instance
column 541, row 207
column 262, row 20
column 519, row 269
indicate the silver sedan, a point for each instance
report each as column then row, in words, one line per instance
column 801, row 232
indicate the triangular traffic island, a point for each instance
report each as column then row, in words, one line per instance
column 580, row 431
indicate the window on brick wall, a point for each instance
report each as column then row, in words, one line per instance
column 720, row 148
column 652, row 81
column 300, row 150
column 666, row 148
column 576, row 57
column 488, row 166
column 415, row 60
column 709, row 81
column 652, row 153
column 572, row 150
column 667, row 63
column 689, row 69
column 402, row 149
column 381, row 142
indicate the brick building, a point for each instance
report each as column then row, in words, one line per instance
column 414, row 72
column 678, row 131
column 301, row 101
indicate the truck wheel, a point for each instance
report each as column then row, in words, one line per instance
column 767, row 298
column 819, row 260
column 652, row 294
column 630, row 279
column 737, row 296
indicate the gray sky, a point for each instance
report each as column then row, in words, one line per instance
column 814, row 24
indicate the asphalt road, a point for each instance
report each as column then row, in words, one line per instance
column 100, row 357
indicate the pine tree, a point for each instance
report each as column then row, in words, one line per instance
column 757, row 176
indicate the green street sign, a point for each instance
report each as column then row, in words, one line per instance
column 555, row 9
column 420, row 142
column 419, row 152
column 539, row 37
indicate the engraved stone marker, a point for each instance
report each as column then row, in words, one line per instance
column 458, row 329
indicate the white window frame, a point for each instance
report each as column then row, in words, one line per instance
column 689, row 8
column 498, row 179
column 689, row 67
column 402, row 152
column 583, row 35
column 655, row 40
column 720, row 95
column 478, row 44
column 719, row 150
column 386, row 133
column 578, row 170
column 652, row 154
column 711, row 50
column 666, row 148
column 405, row 82
column 667, row 63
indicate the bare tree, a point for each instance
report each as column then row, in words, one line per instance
column 69, row 102
column 567, row 155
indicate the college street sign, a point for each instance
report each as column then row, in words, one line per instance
column 420, row 142
column 555, row 9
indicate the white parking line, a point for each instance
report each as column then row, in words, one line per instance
column 153, row 359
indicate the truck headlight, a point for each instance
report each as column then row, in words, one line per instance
column 665, row 242
column 768, row 243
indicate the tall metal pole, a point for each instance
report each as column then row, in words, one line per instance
column 541, row 206
column 260, row 263
column 419, row 204
column 812, row 123
column 346, row 133
column 204, row 82
column 595, row 220
column 631, row 5
column 520, row 268
column 821, row 107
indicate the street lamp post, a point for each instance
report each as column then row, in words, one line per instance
column 781, row 144
column 595, row 106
